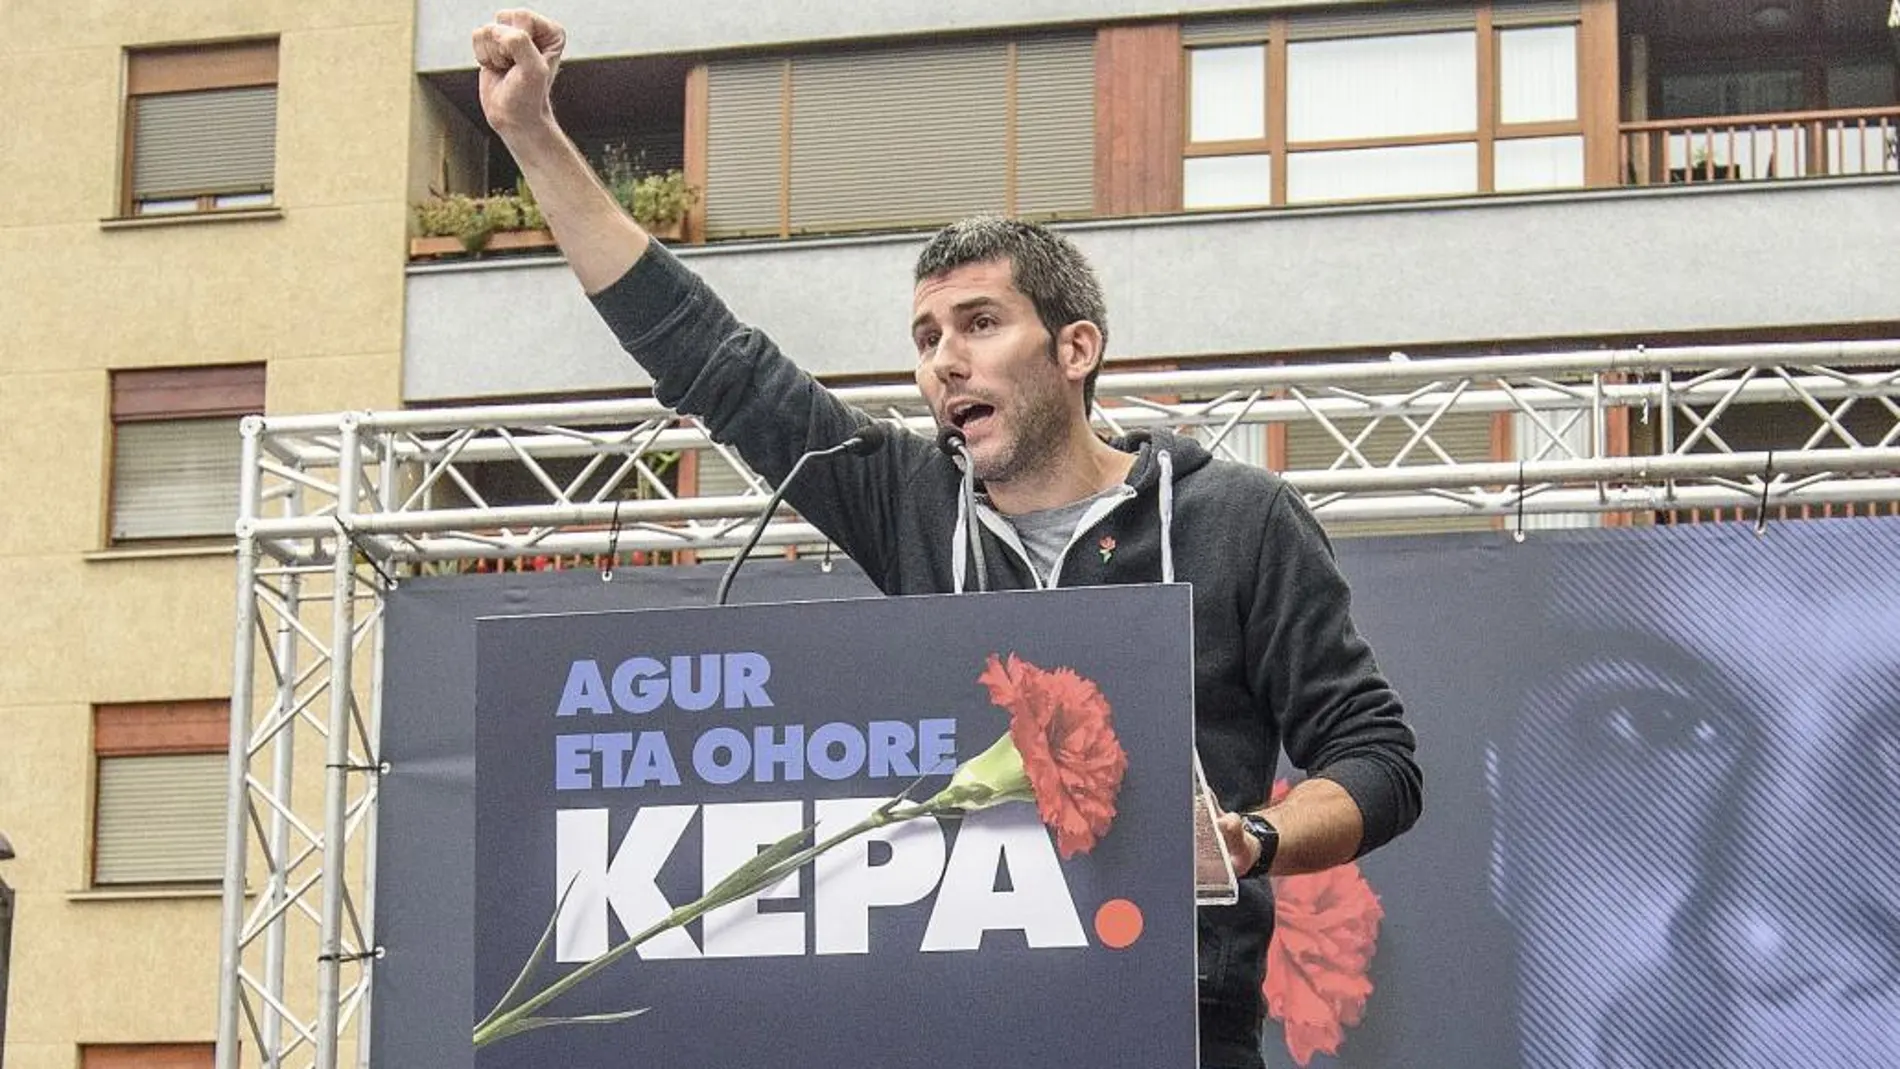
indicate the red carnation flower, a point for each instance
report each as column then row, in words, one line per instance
column 1060, row 724
column 1325, row 931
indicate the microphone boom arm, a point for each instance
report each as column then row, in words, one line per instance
column 862, row 442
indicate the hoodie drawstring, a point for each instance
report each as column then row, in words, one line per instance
column 968, row 537
column 959, row 546
column 1167, row 514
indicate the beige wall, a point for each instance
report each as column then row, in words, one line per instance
column 316, row 294
column 448, row 153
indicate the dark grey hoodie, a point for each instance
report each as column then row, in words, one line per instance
column 1278, row 662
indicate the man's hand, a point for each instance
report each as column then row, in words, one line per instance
column 518, row 54
column 1242, row 848
column 1319, row 825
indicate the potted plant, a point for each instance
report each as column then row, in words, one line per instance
column 657, row 200
column 518, row 221
column 457, row 224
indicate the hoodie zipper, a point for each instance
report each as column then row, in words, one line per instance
column 1006, row 533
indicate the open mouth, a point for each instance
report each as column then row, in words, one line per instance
column 969, row 415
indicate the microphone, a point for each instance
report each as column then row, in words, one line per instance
column 951, row 441
column 863, row 442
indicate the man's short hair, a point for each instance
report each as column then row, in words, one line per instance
column 1044, row 266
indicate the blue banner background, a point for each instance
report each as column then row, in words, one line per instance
column 853, row 662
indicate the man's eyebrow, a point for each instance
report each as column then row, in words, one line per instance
column 1587, row 644
column 968, row 304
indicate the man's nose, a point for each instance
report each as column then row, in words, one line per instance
column 1798, row 893
column 949, row 361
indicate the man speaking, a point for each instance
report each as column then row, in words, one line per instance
column 1009, row 329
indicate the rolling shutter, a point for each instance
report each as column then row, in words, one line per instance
column 718, row 478
column 207, row 142
column 1467, row 437
column 743, row 146
column 1225, row 30
column 1537, row 13
column 897, row 137
column 1407, row 18
column 175, row 478
column 160, row 819
column 1055, row 127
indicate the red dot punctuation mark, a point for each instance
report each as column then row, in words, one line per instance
column 1118, row 923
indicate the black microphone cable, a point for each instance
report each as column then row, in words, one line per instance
column 863, row 442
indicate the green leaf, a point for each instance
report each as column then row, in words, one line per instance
column 745, row 874
column 530, row 1024
column 534, row 956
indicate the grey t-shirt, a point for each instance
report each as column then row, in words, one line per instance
column 1046, row 532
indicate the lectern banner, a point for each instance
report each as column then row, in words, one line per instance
column 902, row 832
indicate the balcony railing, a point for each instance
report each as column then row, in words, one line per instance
column 1753, row 148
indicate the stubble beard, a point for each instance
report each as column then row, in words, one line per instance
column 1036, row 427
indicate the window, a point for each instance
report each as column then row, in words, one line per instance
column 1382, row 87
column 146, row 1055
column 1227, row 110
column 175, row 450
column 1433, row 101
column 892, row 138
column 159, row 812
column 200, row 128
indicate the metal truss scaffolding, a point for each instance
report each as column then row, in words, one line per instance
column 338, row 508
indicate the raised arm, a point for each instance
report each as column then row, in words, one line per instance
column 519, row 54
column 704, row 361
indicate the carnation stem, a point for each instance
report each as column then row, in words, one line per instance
column 770, row 866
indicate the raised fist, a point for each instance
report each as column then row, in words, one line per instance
column 518, row 54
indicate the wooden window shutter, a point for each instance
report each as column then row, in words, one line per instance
column 187, row 68
column 744, row 143
column 141, row 729
column 160, row 819
column 179, row 393
column 1055, row 127
column 147, row 1056
column 898, row 137
column 205, row 142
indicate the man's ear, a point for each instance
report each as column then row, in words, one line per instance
column 1079, row 349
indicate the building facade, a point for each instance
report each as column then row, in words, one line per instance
column 210, row 202
column 1292, row 182
column 204, row 219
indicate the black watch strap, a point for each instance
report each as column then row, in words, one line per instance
column 1267, row 836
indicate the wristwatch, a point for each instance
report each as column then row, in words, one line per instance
column 1267, row 836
